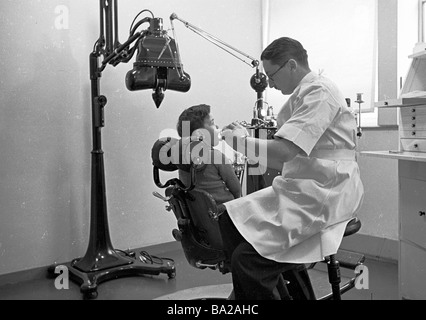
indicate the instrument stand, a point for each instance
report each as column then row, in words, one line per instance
column 101, row 261
column 258, row 83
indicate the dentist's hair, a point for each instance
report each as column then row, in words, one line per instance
column 283, row 49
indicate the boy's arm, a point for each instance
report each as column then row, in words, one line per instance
column 226, row 171
column 228, row 175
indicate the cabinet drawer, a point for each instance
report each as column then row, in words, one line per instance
column 412, row 271
column 408, row 124
column 412, row 209
column 413, row 145
column 417, row 111
column 412, row 134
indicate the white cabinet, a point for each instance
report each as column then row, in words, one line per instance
column 411, row 214
column 412, row 220
column 412, row 230
column 411, row 156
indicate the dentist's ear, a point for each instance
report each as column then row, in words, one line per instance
column 293, row 64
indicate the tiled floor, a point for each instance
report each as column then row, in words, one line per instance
column 382, row 282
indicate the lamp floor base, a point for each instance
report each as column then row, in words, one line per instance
column 90, row 280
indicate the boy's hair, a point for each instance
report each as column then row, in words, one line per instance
column 195, row 115
column 283, row 49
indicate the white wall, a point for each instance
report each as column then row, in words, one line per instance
column 45, row 121
column 339, row 37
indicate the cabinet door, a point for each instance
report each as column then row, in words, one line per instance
column 412, row 271
column 412, row 211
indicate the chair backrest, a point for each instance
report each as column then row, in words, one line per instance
column 199, row 208
column 194, row 210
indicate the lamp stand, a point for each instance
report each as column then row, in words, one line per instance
column 259, row 83
column 101, row 261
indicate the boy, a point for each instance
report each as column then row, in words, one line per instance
column 217, row 175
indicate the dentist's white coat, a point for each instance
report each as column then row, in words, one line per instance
column 301, row 218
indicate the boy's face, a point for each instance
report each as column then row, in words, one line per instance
column 213, row 130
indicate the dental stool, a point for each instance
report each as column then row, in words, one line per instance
column 320, row 287
column 198, row 232
column 335, row 262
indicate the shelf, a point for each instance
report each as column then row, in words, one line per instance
column 418, row 55
column 401, row 102
column 415, row 83
column 394, row 154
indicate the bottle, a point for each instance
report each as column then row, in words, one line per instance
column 270, row 112
column 255, row 112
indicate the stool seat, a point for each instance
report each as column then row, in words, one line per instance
column 352, row 227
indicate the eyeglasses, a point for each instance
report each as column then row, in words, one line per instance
column 270, row 76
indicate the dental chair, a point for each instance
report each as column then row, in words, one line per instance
column 195, row 210
column 198, row 231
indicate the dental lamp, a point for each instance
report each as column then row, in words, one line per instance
column 157, row 64
column 157, row 67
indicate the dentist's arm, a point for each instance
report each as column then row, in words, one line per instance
column 269, row 152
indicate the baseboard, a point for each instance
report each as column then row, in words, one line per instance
column 372, row 247
column 23, row 276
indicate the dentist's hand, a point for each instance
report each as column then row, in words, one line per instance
column 234, row 130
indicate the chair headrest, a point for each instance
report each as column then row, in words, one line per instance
column 161, row 151
column 170, row 154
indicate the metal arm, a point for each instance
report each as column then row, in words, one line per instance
column 221, row 44
column 108, row 43
column 258, row 81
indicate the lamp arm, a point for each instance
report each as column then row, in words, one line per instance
column 116, row 53
column 108, row 43
column 216, row 41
